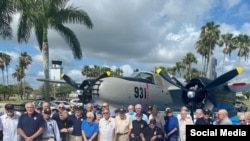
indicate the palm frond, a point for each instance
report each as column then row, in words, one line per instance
column 71, row 39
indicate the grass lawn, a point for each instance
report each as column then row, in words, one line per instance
column 13, row 101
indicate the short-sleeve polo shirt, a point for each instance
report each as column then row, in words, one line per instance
column 31, row 124
column 89, row 128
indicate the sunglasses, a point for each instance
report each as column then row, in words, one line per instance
column 61, row 107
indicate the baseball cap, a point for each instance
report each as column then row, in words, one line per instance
column 206, row 112
column 122, row 110
column 47, row 111
column 79, row 108
column 168, row 110
column 9, row 106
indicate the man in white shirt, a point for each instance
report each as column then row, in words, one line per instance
column 107, row 127
column 8, row 124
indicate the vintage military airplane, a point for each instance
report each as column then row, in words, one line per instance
column 159, row 88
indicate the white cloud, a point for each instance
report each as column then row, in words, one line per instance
column 140, row 34
column 227, row 4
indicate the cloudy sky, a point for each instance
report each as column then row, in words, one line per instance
column 130, row 34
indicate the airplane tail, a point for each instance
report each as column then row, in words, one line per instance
column 211, row 73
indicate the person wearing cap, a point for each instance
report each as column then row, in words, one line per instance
column 51, row 130
column 107, row 127
column 89, row 128
column 152, row 132
column 76, row 120
column 30, row 124
column 205, row 119
column 149, row 110
column 171, row 126
column 123, row 125
column 138, row 126
column 8, row 124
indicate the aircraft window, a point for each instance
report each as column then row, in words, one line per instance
column 158, row 80
column 146, row 76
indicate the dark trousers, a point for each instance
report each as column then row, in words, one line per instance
column 136, row 138
column 171, row 139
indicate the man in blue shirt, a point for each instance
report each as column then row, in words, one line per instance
column 76, row 119
column 31, row 124
column 90, row 128
column 171, row 126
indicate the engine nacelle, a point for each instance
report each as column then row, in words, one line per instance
column 193, row 95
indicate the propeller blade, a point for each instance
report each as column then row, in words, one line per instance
column 224, row 78
column 69, row 81
column 165, row 76
column 106, row 74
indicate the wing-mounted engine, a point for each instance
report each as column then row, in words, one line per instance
column 85, row 90
column 189, row 95
column 84, row 94
column 195, row 93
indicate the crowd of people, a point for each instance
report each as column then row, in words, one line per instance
column 90, row 124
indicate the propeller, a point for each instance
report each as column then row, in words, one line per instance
column 165, row 75
column 84, row 89
column 70, row 81
column 195, row 92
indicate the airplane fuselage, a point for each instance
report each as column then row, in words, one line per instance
column 125, row 92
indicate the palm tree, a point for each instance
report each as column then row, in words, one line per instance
column 2, row 65
column 188, row 60
column 171, row 70
column 117, row 72
column 179, row 66
column 243, row 43
column 209, row 37
column 4, row 62
column 7, row 63
column 228, row 42
column 41, row 15
column 18, row 75
column 194, row 73
column 86, row 70
column 6, row 11
column 24, row 61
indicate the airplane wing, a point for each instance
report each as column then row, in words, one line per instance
column 239, row 86
column 54, row 81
